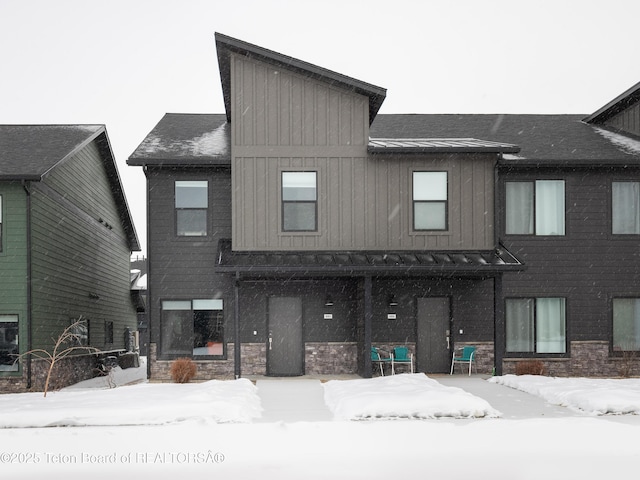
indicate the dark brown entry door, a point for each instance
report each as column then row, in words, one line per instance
column 433, row 332
column 284, row 343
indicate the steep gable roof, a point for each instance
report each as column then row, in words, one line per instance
column 225, row 46
column 615, row 106
column 30, row 152
column 186, row 139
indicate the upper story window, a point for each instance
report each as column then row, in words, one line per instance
column 299, row 202
column 536, row 325
column 625, row 208
column 535, row 207
column 192, row 200
column 430, row 201
column 626, row 324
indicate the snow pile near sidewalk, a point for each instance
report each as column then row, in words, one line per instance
column 401, row 396
column 595, row 396
column 214, row 401
column 116, row 378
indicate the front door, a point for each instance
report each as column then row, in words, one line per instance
column 433, row 353
column 284, row 343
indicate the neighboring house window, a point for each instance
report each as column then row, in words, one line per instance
column 192, row 200
column 192, row 327
column 535, row 207
column 536, row 325
column 108, row 333
column 625, row 208
column 299, row 202
column 9, row 347
column 626, row 324
column 430, row 200
column 80, row 331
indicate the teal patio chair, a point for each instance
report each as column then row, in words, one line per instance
column 376, row 358
column 401, row 356
column 468, row 356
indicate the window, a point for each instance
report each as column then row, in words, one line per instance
column 191, row 199
column 430, row 200
column 535, row 207
column 108, row 333
column 625, row 208
column 8, row 343
column 192, row 327
column 80, row 331
column 626, row 324
column 536, row 325
column 299, row 202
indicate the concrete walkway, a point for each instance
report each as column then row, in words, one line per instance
column 301, row 399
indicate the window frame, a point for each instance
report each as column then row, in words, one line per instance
column 415, row 203
column 284, row 203
column 613, row 349
column 535, row 353
column 192, row 319
column 612, row 207
column 204, row 209
column 4, row 318
column 534, row 205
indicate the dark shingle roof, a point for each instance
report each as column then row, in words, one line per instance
column 27, row 152
column 373, row 262
column 181, row 138
column 543, row 139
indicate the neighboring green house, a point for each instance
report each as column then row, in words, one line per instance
column 66, row 236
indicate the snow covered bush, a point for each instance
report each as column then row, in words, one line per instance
column 183, row 370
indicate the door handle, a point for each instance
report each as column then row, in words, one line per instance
column 270, row 343
column 448, row 343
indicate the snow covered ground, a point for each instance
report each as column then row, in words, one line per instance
column 218, row 433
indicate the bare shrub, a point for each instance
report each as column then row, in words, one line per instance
column 530, row 367
column 183, row 370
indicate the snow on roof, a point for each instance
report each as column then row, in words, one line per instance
column 623, row 142
column 212, row 143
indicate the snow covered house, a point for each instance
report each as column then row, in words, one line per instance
column 300, row 228
column 66, row 236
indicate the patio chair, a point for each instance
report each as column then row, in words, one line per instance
column 468, row 356
column 401, row 356
column 376, row 358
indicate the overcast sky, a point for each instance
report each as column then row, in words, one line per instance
column 125, row 63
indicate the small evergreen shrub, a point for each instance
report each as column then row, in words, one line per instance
column 530, row 367
column 183, row 370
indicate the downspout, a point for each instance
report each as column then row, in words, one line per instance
column 25, row 185
column 237, row 358
column 498, row 302
column 368, row 320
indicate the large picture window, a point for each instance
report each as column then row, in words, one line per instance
column 191, row 202
column 299, row 202
column 625, row 208
column 430, row 201
column 536, row 325
column 535, row 208
column 192, row 327
column 626, row 324
column 9, row 347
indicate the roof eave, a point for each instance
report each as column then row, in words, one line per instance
column 615, row 106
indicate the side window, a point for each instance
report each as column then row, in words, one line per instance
column 9, row 346
column 536, row 325
column 535, row 208
column 108, row 333
column 299, row 202
column 626, row 324
column 191, row 204
column 430, row 201
column 625, row 208
column 192, row 327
